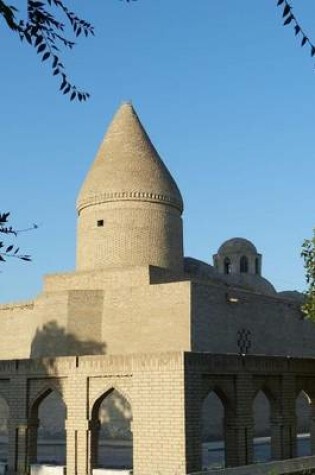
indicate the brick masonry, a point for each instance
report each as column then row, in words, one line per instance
column 165, row 391
column 141, row 313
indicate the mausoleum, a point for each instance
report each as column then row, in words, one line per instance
column 160, row 329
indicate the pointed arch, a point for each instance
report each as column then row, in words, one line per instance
column 269, row 392
column 103, row 393
column 41, row 395
column 261, row 408
column 303, row 423
column 219, row 392
column 4, row 420
column 213, row 411
column 47, row 415
column 111, row 419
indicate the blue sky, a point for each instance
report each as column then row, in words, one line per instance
column 226, row 95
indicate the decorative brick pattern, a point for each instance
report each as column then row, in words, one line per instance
column 166, row 393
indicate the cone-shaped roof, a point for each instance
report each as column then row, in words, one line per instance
column 127, row 167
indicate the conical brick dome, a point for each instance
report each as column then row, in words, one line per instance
column 127, row 167
column 129, row 207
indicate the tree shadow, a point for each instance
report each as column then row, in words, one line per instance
column 37, row 411
column 53, row 341
column 44, row 405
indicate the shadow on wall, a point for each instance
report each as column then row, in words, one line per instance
column 115, row 416
column 54, row 341
column 43, row 403
column 47, row 412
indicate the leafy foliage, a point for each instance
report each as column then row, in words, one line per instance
column 308, row 254
column 10, row 250
column 46, row 34
column 290, row 19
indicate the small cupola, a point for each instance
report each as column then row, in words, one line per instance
column 239, row 262
column 238, row 256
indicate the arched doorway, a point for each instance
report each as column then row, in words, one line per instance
column 47, row 442
column 111, row 432
column 212, row 435
column 303, row 420
column 4, row 418
column 262, row 428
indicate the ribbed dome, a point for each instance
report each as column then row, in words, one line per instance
column 237, row 245
column 128, row 168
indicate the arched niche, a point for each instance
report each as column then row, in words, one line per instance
column 4, row 419
column 111, row 431
column 262, row 427
column 303, row 420
column 212, row 430
column 47, row 441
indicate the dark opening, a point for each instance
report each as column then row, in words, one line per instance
column 257, row 265
column 4, row 417
column 100, row 223
column 303, row 424
column 212, row 435
column 111, row 437
column 244, row 265
column 262, row 428
column 47, row 430
column 227, row 266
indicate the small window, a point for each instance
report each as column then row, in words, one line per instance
column 257, row 265
column 244, row 265
column 100, row 223
column 227, row 266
